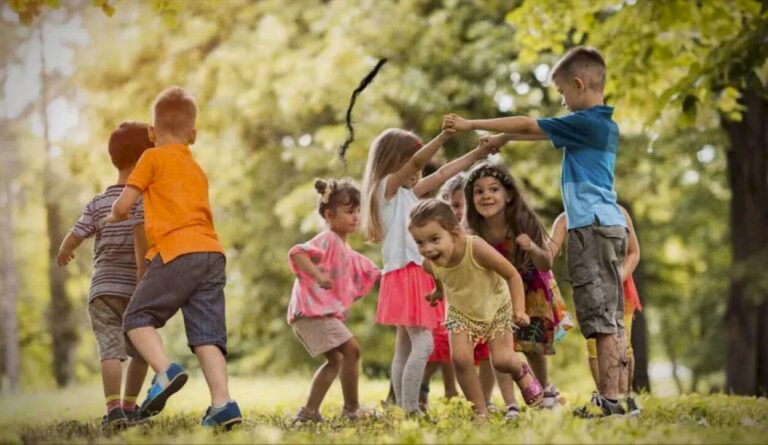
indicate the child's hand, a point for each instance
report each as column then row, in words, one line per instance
column 525, row 242
column 323, row 281
column 434, row 297
column 485, row 147
column 521, row 318
column 456, row 123
column 494, row 143
column 63, row 258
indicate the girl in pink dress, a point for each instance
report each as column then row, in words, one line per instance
column 391, row 186
column 330, row 276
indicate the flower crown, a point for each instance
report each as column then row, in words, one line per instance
column 492, row 172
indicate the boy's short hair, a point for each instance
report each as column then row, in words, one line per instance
column 584, row 62
column 174, row 112
column 433, row 209
column 127, row 142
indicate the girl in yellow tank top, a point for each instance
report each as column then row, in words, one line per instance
column 484, row 294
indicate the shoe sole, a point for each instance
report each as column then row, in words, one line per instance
column 156, row 405
column 229, row 424
column 634, row 413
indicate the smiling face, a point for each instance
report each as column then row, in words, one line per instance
column 343, row 219
column 435, row 243
column 489, row 196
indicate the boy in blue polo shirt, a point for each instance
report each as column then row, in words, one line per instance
column 597, row 240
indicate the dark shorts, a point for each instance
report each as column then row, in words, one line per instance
column 106, row 314
column 193, row 283
column 595, row 254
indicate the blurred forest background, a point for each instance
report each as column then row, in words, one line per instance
column 273, row 80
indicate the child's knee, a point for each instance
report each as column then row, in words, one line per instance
column 351, row 350
column 334, row 359
column 464, row 362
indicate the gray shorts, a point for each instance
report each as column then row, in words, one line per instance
column 106, row 314
column 595, row 254
column 193, row 283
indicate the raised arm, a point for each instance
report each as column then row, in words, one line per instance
column 67, row 249
column 633, row 249
column 451, row 169
column 415, row 164
column 489, row 258
column 121, row 208
column 559, row 232
column 518, row 127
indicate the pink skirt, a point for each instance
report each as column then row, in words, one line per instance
column 402, row 298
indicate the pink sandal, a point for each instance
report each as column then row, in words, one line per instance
column 533, row 393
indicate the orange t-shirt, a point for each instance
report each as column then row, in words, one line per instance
column 177, row 214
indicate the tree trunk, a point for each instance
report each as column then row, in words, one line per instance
column 747, row 311
column 61, row 315
column 8, row 285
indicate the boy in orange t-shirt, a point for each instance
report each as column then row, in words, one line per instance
column 187, row 264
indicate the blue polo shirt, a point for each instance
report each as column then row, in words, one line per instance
column 589, row 139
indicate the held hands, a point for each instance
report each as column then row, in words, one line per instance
column 521, row 318
column 454, row 122
column 434, row 297
column 494, row 143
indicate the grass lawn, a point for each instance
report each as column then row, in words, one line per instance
column 268, row 403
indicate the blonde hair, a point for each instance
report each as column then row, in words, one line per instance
column 174, row 112
column 389, row 152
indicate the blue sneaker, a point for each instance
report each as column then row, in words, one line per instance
column 227, row 417
column 163, row 386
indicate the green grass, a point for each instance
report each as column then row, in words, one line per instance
column 73, row 415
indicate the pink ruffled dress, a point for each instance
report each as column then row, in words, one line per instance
column 352, row 276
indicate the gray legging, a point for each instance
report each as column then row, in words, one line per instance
column 412, row 349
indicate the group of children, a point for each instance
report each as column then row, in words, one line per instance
column 466, row 279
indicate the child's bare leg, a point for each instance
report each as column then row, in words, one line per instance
column 506, row 387
column 505, row 359
column 134, row 380
column 594, row 371
column 538, row 364
column 148, row 342
column 487, row 378
column 350, row 374
column 449, row 380
column 630, row 370
column 462, row 354
column 111, row 379
column 429, row 371
column 323, row 379
column 214, row 366
column 611, row 350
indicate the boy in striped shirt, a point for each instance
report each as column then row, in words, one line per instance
column 118, row 264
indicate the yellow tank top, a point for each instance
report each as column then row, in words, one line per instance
column 478, row 293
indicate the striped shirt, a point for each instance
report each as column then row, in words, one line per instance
column 114, row 260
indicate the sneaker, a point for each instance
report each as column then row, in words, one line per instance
column 226, row 417
column 550, row 398
column 633, row 409
column 599, row 406
column 134, row 418
column 512, row 413
column 305, row 416
column 115, row 420
column 492, row 409
column 163, row 386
